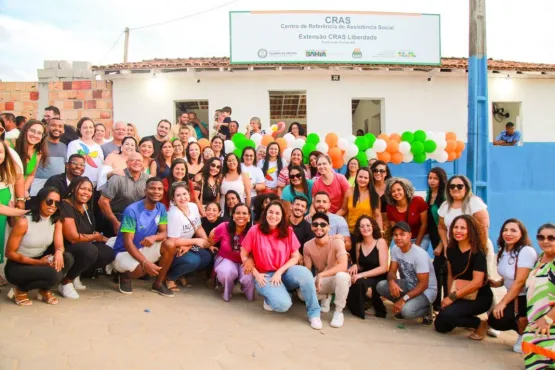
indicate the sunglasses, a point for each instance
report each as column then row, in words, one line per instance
column 542, row 238
column 216, row 166
column 320, row 224
column 50, row 202
column 379, row 171
column 296, row 176
column 456, row 186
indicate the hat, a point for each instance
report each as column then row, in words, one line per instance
column 402, row 225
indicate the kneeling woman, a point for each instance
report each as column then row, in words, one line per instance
column 86, row 245
column 467, row 273
column 186, row 233
column 227, row 265
column 275, row 253
column 30, row 265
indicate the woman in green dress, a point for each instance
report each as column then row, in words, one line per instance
column 539, row 336
column 32, row 148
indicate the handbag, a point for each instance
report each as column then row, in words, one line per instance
column 458, row 284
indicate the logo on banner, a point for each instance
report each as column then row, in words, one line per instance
column 406, row 54
column 262, row 53
column 357, row 54
column 316, row 54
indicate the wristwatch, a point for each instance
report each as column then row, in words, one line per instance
column 548, row 320
column 406, row 297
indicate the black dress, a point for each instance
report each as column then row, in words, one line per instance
column 357, row 293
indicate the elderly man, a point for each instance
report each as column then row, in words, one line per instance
column 121, row 191
column 119, row 132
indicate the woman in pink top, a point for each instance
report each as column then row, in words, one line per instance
column 275, row 253
column 227, row 265
column 335, row 184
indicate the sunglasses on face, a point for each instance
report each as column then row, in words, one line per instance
column 216, row 166
column 321, row 225
column 296, row 176
column 456, row 186
column 379, row 171
column 542, row 238
column 49, row 202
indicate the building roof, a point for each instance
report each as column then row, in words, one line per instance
column 223, row 63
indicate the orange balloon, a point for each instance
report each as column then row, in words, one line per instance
column 450, row 136
column 384, row 156
column 331, row 139
column 460, row 146
column 203, row 143
column 395, row 137
column 383, row 136
column 338, row 163
column 397, row 157
column 335, row 154
column 459, row 154
column 392, row 146
column 451, row 146
column 267, row 139
column 452, row 155
column 282, row 143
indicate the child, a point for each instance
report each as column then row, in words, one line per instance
column 222, row 123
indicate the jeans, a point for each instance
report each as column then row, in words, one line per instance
column 29, row 277
column 88, row 256
column 426, row 244
column 189, row 263
column 296, row 277
column 414, row 308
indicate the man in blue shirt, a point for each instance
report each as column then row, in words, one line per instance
column 141, row 241
column 508, row 137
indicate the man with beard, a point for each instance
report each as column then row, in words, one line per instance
column 300, row 226
column 329, row 258
column 162, row 134
column 56, row 155
column 74, row 167
column 338, row 225
column 69, row 133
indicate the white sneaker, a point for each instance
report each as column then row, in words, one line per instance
column 315, row 323
column 494, row 333
column 68, row 291
column 337, row 320
column 78, row 285
column 267, row 307
column 325, row 303
column 518, row 345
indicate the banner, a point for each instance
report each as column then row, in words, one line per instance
column 334, row 37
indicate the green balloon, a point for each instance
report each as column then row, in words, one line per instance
column 361, row 156
column 313, row 138
column 308, row 148
column 249, row 143
column 371, row 139
column 417, row 148
column 408, row 137
column 420, row 135
column 238, row 152
column 429, row 146
column 420, row 158
column 362, row 143
column 239, row 140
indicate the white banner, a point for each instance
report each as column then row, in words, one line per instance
column 334, row 37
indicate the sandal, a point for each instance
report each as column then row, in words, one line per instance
column 172, row 286
column 480, row 332
column 183, row 282
column 3, row 281
column 20, row 298
column 47, row 296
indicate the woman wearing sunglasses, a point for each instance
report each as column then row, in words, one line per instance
column 227, row 264
column 538, row 345
column 32, row 149
column 234, row 179
column 211, row 179
column 31, row 265
column 515, row 260
column 299, row 185
column 381, row 173
column 86, row 245
column 296, row 160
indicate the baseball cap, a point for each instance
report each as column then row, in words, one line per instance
column 402, row 225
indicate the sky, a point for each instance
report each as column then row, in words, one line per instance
column 85, row 30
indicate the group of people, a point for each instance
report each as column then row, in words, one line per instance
column 163, row 206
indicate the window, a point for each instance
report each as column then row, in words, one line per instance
column 506, row 123
column 289, row 107
column 367, row 115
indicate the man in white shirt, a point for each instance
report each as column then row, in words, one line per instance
column 10, row 125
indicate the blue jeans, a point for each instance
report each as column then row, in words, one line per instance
column 189, row 263
column 415, row 307
column 296, row 277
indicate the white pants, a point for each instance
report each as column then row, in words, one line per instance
column 124, row 262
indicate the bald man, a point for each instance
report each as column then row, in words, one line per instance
column 119, row 131
column 121, row 191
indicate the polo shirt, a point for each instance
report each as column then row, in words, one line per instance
column 515, row 137
column 124, row 190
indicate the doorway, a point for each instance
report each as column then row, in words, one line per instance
column 367, row 116
column 200, row 107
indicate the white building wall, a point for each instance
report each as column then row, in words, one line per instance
column 411, row 101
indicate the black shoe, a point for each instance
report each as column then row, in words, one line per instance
column 426, row 320
column 398, row 317
column 162, row 289
column 125, row 285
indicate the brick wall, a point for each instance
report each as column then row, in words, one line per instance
column 20, row 98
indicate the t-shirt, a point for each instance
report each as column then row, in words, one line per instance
column 475, row 204
column 179, row 226
column 93, row 157
column 459, row 262
column 109, row 148
column 209, row 226
column 198, row 131
column 140, row 221
column 338, row 225
column 255, row 174
column 84, row 222
column 323, row 257
column 416, row 207
column 269, row 252
column 415, row 261
column 124, row 190
column 506, row 268
column 303, row 232
column 69, row 134
column 288, row 196
column 230, row 247
column 336, row 190
column 272, row 173
column 55, row 165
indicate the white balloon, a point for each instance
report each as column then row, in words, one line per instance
column 440, row 136
column 346, row 157
column 352, row 150
column 408, row 157
column 404, row 147
column 257, row 138
column 351, row 139
column 289, row 138
column 342, row 143
column 442, row 157
column 441, row 144
column 287, row 154
column 380, row 145
column 229, row 146
column 322, row 147
column 192, row 139
column 371, row 154
column 298, row 143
